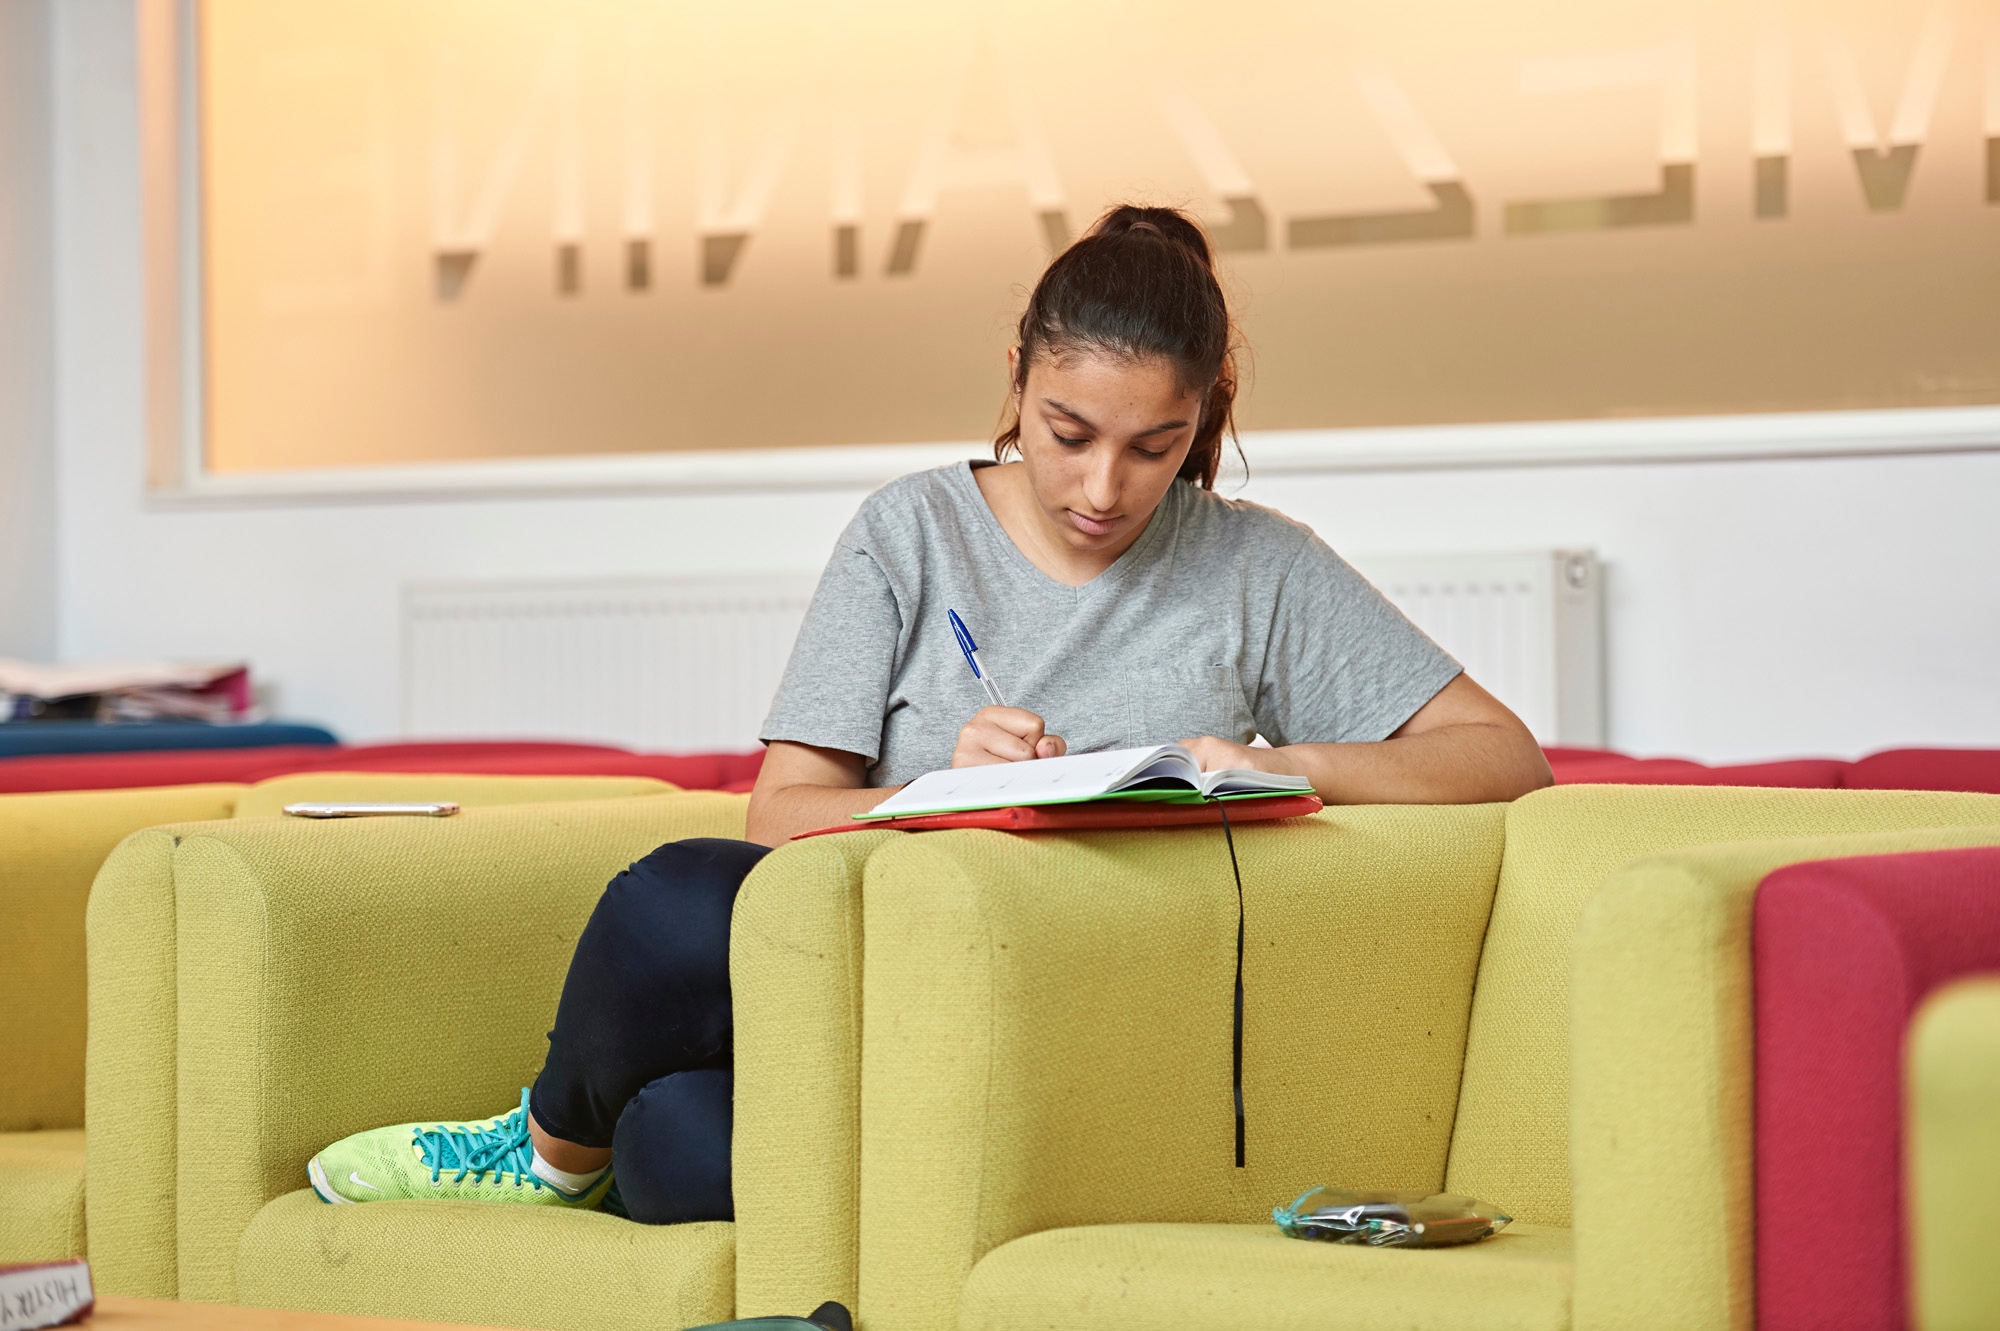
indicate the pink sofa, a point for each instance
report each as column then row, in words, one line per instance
column 1892, row 769
column 1844, row 952
column 104, row 771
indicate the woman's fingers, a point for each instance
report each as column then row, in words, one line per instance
column 1014, row 720
column 1005, row 744
column 1004, row 735
column 1215, row 754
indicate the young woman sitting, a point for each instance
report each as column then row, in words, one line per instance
column 1124, row 603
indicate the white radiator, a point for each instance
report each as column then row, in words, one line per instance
column 686, row 665
column 1528, row 626
column 691, row 664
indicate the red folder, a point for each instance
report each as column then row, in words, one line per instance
column 1097, row 815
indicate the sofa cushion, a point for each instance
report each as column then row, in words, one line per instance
column 1511, row 1142
column 1252, row 1278
column 41, row 1196
column 69, row 737
column 1845, row 950
column 50, row 848
column 486, row 1263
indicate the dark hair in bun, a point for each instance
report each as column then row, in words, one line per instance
column 1141, row 284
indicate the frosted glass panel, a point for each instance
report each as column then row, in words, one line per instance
column 472, row 229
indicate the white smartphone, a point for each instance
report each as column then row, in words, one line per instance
column 440, row 809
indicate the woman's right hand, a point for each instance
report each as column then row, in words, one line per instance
column 1004, row 735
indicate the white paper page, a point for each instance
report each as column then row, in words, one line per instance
column 1231, row 780
column 1036, row 781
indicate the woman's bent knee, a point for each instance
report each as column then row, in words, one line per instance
column 671, row 1151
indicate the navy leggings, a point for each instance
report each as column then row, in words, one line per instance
column 641, row 1058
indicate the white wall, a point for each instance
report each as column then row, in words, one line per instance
column 27, row 429
column 1755, row 608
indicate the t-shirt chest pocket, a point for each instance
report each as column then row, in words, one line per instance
column 1179, row 700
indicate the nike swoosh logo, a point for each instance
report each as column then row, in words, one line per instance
column 356, row 1179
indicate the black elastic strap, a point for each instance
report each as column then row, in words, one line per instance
column 1236, row 1038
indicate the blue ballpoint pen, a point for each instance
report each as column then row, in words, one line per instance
column 971, row 650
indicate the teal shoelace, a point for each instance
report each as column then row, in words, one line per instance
column 503, row 1148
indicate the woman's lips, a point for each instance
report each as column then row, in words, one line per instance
column 1092, row 526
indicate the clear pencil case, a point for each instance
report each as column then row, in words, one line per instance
column 1389, row 1219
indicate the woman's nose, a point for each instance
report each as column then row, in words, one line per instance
column 1100, row 484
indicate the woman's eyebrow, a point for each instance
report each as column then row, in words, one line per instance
column 1084, row 421
column 1070, row 412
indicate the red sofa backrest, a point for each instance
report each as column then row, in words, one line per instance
column 1604, row 767
column 1844, row 952
column 1927, row 769
column 107, row 771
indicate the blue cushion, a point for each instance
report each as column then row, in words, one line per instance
column 21, row 738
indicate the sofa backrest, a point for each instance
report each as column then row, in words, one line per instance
column 1926, row 769
column 52, row 843
column 267, row 799
column 1510, row 1144
column 261, row 987
column 1047, row 1027
column 50, row 847
column 1846, row 950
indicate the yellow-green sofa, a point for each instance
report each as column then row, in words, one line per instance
column 261, row 988
column 1544, row 1005
column 1954, row 1157
column 1019, row 1113
column 51, row 846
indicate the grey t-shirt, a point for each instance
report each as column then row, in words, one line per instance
column 1224, row 618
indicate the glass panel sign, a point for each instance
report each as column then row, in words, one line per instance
column 465, row 229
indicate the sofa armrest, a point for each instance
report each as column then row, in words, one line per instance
column 129, row 1068
column 1661, row 1119
column 1954, row 1157
column 336, row 976
column 795, row 957
column 1047, row 1028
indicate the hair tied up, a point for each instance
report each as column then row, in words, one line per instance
column 1140, row 283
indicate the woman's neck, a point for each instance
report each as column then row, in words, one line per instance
column 1036, row 535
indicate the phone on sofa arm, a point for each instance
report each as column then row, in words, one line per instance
column 439, row 809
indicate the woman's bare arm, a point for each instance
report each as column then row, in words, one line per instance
column 801, row 787
column 1462, row 747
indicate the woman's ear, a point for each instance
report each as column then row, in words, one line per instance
column 1014, row 367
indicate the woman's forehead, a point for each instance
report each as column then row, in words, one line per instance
column 1107, row 377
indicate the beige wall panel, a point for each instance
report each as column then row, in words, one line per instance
column 468, row 229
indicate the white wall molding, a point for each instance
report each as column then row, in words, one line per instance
column 1270, row 453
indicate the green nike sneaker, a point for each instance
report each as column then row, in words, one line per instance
column 483, row 1161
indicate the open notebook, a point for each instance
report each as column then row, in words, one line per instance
column 1168, row 773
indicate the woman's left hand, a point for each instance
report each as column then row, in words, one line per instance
column 1215, row 754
